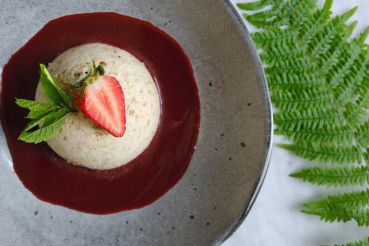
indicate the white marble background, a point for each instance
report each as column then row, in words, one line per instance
column 275, row 218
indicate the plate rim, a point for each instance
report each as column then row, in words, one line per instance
column 269, row 136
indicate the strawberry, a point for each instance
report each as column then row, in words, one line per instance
column 103, row 102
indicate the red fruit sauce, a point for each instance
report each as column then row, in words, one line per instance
column 152, row 173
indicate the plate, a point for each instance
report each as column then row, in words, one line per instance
column 145, row 178
column 233, row 147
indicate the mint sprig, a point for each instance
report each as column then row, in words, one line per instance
column 47, row 118
column 55, row 94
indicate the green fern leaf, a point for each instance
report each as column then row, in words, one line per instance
column 361, row 216
column 327, row 137
column 291, row 66
column 362, row 134
column 351, row 200
column 309, row 27
column 256, row 5
column 364, row 242
column 290, row 100
column 272, row 37
column 355, row 112
column 332, row 57
column 294, row 10
column 342, row 207
column 302, row 12
column 307, row 119
column 319, row 83
column 325, row 154
column 322, row 41
column 334, row 176
column 347, row 91
column 277, row 55
column 343, row 68
column 293, row 81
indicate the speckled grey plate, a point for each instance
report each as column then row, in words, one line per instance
column 233, row 149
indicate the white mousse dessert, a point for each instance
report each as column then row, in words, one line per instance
column 82, row 142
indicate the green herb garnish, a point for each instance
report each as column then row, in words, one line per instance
column 53, row 92
column 47, row 118
column 91, row 75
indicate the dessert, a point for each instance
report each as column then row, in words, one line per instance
column 155, row 169
column 80, row 141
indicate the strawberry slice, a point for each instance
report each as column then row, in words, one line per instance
column 103, row 103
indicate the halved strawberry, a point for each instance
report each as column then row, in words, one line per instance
column 103, row 103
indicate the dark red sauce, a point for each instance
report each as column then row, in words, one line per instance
column 144, row 179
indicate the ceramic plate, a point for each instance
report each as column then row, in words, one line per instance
column 233, row 148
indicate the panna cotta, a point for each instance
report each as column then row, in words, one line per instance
column 80, row 141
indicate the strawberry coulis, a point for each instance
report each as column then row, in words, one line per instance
column 144, row 179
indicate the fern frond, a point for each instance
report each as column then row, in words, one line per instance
column 256, row 5
column 274, row 36
column 327, row 154
column 348, row 14
column 319, row 81
column 363, row 99
column 307, row 119
column 281, row 12
column 309, row 27
column 294, row 10
column 356, row 199
column 322, row 41
column 363, row 36
column 302, row 12
column 294, row 82
column 362, row 134
column 342, row 207
column 358, row 111
column 290, row 100
column 364, row 242
column 338, row 73
column 347, row 91
column 355, row 112
column 341, row 214
column 327, row 5
column 334, row 176
column 328, row 137
column 332, row 57
column 266, row 18
column 277, row 53
column 291, row 66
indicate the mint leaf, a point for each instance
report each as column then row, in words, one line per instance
column 49, row 117
column 55, row 94
column 37, row 109
column 46, row 119
column 34, row 123
column 32, row 105
column 50, row 128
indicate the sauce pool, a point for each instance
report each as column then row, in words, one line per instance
column 144, row 179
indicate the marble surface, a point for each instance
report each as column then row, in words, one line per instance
column 275, row 218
